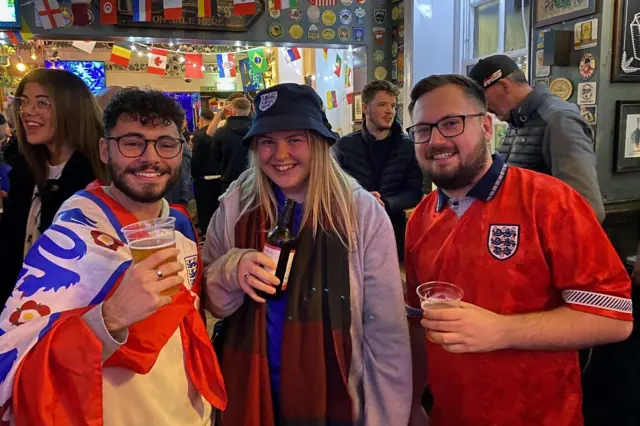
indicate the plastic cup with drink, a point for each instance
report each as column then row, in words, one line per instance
column 150, row 236
column 439, row 295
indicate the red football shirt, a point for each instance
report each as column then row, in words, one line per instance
column 528, row 243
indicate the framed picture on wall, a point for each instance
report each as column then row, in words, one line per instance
column 549, row 12
column 626, row 41
column 627, row 137
column 357, row 107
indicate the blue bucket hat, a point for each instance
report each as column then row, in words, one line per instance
column 289, row 106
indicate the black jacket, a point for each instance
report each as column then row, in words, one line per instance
column 228, row 142
column 398, row 178
column 76, row 175
column 204, row 161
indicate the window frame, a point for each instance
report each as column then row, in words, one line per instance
column 467, row 11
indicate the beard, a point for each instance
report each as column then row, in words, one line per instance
column 145, row 193
column 466, row 172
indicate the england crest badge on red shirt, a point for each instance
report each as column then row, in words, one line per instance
column 503, row 241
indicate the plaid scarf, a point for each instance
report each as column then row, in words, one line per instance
column 316, row 340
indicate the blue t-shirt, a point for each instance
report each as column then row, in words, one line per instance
column 276, row 312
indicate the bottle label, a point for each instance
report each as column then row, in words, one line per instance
column 273, row 253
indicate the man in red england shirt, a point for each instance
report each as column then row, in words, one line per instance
column 539, row 276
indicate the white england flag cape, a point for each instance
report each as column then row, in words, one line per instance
column 49, row 357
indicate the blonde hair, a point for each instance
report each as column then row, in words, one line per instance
column 329, row 203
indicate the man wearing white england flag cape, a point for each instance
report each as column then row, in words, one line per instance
column 88, row 337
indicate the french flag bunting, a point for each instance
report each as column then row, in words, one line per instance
column 226, row 65
column 142, row 10
column 172, row 9
column 294, row 54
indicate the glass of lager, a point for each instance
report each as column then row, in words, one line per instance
column 150, row 236
column 439, row 295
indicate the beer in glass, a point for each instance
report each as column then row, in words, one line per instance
column 150, row 236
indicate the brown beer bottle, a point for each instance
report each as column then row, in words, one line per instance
column 279, row 247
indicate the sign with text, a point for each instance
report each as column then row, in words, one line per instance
column 222, row 16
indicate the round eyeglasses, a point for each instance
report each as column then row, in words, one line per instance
column 40, row 103
column 448, row 127
column 133, row 146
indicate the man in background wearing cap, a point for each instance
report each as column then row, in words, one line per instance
column 546, row 134
column 381, row 157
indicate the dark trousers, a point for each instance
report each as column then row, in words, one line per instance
column 206, row 193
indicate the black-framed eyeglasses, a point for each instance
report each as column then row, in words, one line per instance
column 448, row 127
column 40, row 103
column 133, row 146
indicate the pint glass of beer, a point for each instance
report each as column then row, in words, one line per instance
column 149, row 236
column 439, row 295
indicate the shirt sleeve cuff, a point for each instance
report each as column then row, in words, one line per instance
column 110, row 342
column 599, row 304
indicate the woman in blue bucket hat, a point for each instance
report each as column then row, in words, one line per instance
column 335, row 348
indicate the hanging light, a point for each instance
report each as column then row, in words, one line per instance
column 21, row 67
column 181, row 59
column 34, row 56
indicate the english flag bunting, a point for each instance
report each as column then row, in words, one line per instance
column 157, row 61
column 50, row 14
column 108, row 12
column 337, row 68
column 293, row 54
column 193, row 65
column 244, row 7
column 120, row 56
column 172, row 9
column 142, row 10
column 226, row 65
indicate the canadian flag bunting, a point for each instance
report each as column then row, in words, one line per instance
column 172, row 9
column 244, row 7
column 157, row 61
